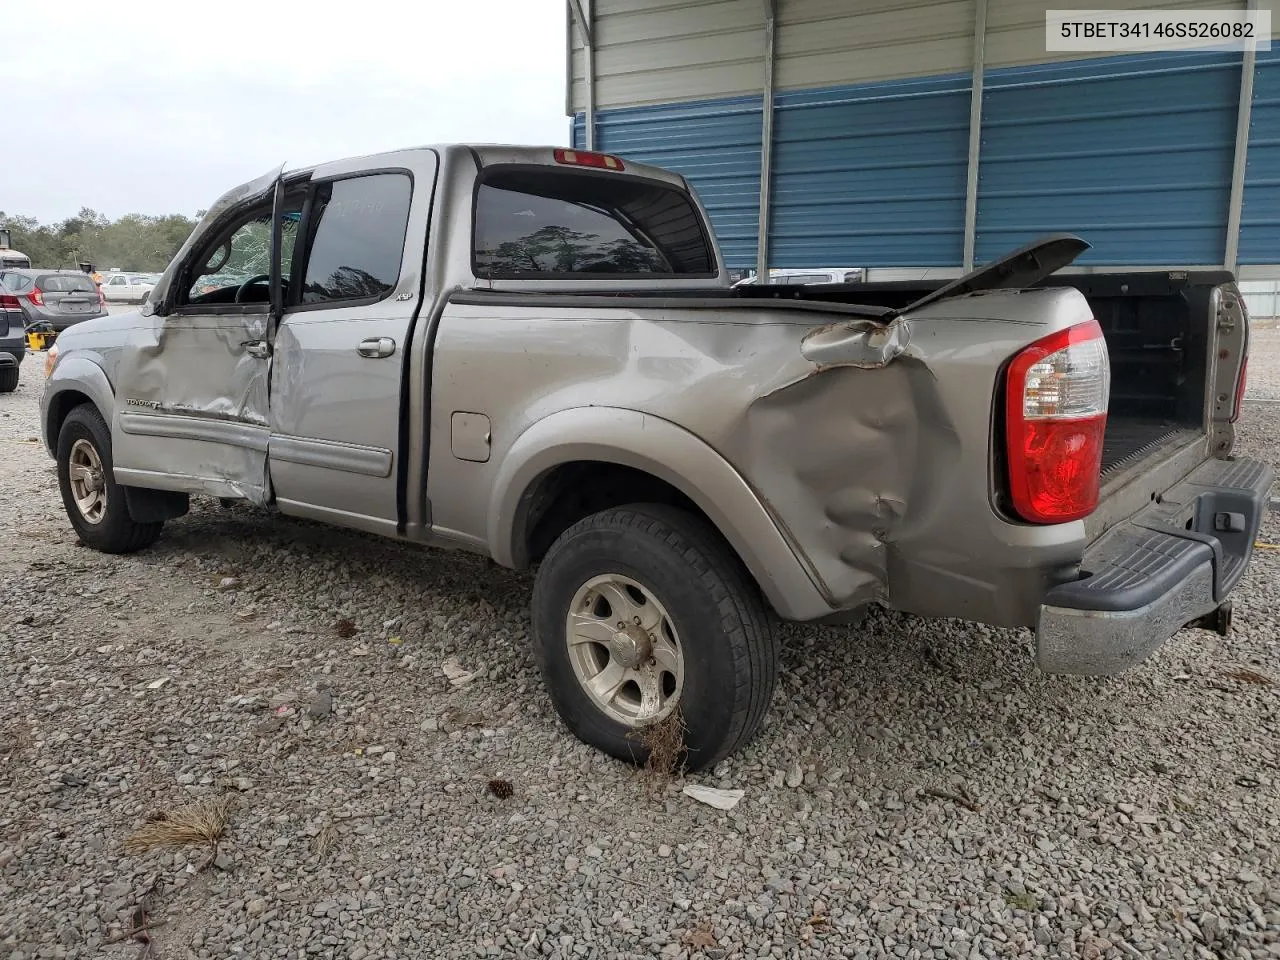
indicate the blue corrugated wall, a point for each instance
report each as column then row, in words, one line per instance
column 1260, row 218
column 715, row 143
column 1134, row 153
column 870, row 174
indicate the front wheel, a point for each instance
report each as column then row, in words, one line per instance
column 94, row 502
column 642, row 611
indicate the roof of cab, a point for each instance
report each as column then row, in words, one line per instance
column 488, row 154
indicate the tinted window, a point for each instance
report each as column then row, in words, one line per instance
column 67, row 283
column 359, row 238
column 549, row 222
column 17, row 282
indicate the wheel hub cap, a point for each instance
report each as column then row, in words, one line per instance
column 624, row 650
column 631, row 645
column 88, row 481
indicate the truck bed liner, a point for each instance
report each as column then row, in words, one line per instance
column 1130, row 438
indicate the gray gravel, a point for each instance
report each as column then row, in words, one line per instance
column 1135, row 816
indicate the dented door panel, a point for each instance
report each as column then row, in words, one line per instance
column 191, row 406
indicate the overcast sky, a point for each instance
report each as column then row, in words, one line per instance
column 158, row 106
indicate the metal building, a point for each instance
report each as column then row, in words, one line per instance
column 1262, row 300
column 934, row 133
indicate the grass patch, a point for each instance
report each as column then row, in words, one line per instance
column 1022, row 901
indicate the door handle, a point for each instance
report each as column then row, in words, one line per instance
column 257, row 348
column 376, row 347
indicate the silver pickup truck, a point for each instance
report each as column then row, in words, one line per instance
column 535, row 354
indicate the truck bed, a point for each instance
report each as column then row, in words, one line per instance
column 1157, row 331
column 1157, row 327
column 1129, row 440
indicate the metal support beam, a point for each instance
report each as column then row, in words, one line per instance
column 568, row 59
column 1235, row 205
column 975, row 131
column 583, row 19
column 766, row 149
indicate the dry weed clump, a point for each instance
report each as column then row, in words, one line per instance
column 200, row 824
column 664, row 748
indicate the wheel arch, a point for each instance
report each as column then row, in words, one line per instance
column 670, row 455
column 75, row 380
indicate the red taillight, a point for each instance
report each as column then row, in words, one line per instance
column 36, row 296
column 585, row 158
column 1239, row 402
column 1056, row 416
column 9, row 302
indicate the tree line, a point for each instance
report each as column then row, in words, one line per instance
column 133, row 242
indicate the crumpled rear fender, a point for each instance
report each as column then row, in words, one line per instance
column 672, row 454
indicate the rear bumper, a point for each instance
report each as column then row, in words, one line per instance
column 1169, row 564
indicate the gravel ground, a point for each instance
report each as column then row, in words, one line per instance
column 1135, row 816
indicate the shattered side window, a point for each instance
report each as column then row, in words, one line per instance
column 242, row 254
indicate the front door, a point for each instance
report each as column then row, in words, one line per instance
column 191, row 399
column 343, row 344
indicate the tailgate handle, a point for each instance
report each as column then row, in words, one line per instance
column 1228, row 522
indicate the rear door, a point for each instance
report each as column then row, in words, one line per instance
column 191, row 395
column 355, row 286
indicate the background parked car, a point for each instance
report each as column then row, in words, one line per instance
column 127, row 287
column 57, row 297
column 13, row 343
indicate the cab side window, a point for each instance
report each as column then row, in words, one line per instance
column 357, row 241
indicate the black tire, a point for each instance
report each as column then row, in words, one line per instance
column 729, row 643
column 115, row 531
column 8, row 379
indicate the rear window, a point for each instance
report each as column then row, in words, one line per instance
column 66, row 283
column 547, row 223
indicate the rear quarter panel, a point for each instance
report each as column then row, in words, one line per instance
column 880, row 477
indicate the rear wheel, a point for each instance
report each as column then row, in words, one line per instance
column 8, row 379
column 94, row 502
column 643, row 611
